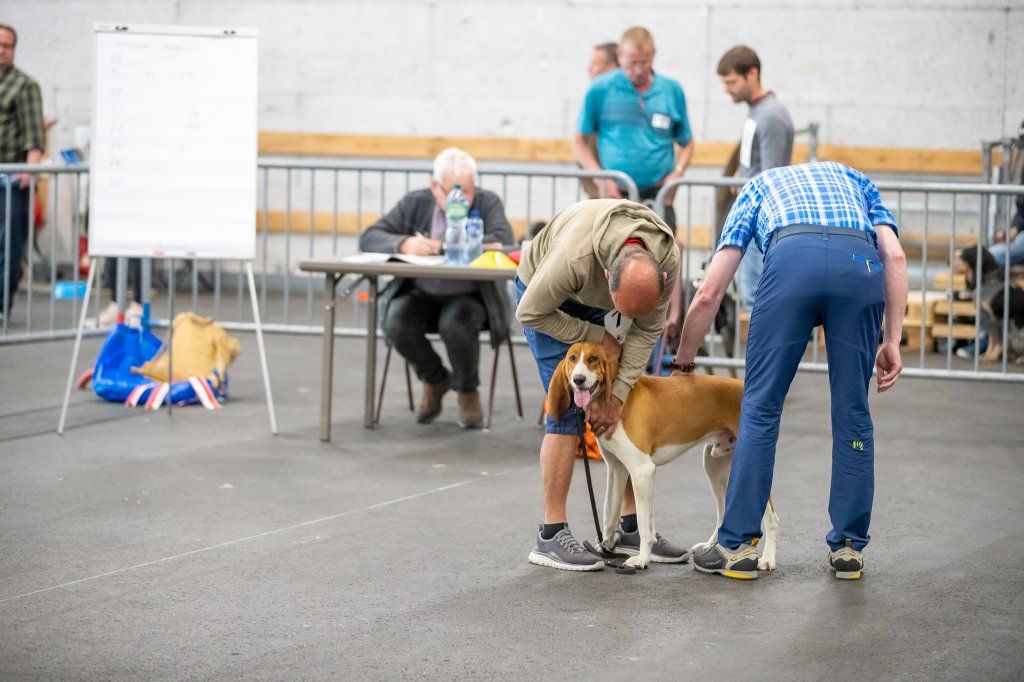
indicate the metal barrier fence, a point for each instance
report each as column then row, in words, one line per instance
column 44, row 219
column 942, row 312
column 315, row 209
column 305, row 209
column 1009, row 172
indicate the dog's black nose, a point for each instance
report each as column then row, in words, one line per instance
column 579, row 380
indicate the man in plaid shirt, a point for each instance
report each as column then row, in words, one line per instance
column 22, row 140
column 831, row 258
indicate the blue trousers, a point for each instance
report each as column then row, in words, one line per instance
column 809, row 281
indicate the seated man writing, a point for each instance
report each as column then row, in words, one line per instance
column 457, row 310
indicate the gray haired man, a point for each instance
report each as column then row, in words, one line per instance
column 458, row 311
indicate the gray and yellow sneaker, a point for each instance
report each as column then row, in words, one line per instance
column 663, row 551
column 739, row 563
column 564, row 552
column 847, row 562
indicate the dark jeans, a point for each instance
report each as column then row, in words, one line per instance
column 459, row 319
column 647, row 195
column 11, row 260
column 134, row 276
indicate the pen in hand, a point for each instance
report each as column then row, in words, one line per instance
column 433, row 250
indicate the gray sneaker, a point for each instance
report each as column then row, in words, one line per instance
column 847, row 562
column 562, row 551
column 739, row 563
column 663, row 551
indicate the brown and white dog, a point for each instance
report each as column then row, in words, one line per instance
column 663, row 417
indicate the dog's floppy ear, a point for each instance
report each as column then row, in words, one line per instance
column 557, row 401
column 988, row 262
column 610, row 370
column 613, row 371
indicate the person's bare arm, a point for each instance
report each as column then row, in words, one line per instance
column 894, row 262
column 706, row 302
column 24, row 179
column 581, row 150
column 585, row 157
column 683, row 156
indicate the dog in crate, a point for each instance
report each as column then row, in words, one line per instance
column 995, row 304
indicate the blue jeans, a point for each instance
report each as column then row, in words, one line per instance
column 549, row 351
column 1015, row 249
column 810, row 281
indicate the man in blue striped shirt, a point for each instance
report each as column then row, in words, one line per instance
column 831, row 258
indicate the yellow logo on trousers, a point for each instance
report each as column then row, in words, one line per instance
column 858, row 445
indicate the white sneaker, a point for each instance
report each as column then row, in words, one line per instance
column 133, row 316
column 108, row 317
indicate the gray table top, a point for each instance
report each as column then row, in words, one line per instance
column 340, row 265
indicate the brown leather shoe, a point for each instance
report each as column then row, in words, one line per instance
column 471, row 416
column 430, row 405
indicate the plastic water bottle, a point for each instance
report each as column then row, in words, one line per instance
column 456, row 209
column 474, row 236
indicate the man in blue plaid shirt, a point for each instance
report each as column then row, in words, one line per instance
column 831, row 258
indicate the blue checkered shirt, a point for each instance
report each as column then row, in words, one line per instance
column 827, row 194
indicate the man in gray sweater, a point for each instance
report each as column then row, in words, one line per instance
column 458, row 311
column 767, row 140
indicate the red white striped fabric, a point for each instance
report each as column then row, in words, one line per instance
column 136, row 394
column 157, row 397
column 203, row 392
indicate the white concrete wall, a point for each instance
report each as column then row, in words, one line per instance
column 908, row 73
column 905, row 73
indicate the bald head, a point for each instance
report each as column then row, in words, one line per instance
column 636, row 282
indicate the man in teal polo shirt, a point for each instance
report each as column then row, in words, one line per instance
column 640, row 121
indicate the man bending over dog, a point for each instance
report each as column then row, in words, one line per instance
column 831, row 258
column 594, row 257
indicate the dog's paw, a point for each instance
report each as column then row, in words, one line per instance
column 994, row 354
column 699, row 548
column 636, row 562
column 766, row 564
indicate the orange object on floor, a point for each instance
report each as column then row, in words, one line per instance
column 593, row 451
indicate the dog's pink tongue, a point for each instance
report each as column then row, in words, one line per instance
column 582, row 399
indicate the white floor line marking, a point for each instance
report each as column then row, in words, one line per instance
column 322, row 519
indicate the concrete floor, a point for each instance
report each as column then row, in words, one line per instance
column 199, row 546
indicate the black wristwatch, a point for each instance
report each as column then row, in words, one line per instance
column 689, row 367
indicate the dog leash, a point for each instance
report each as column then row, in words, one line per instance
column 581, row 430
column 613, row 559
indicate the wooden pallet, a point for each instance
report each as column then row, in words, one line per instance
column 941, row 281
column 921, row 315
column 953, row 320
column 958, row 332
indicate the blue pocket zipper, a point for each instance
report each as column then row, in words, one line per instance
column 868, row 263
